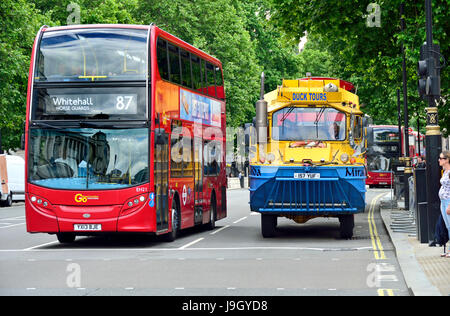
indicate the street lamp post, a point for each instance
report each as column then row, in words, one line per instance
column 407, row 158
column 433, row 134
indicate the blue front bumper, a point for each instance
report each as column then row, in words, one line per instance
column 339, row 190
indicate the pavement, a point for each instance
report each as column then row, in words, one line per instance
column 425, row 272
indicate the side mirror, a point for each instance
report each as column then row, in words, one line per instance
column 22, row 137
column 351, row 139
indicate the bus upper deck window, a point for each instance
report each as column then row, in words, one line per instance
column 174, row 64
column 92, row 55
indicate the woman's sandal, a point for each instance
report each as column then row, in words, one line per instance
column 445, row 255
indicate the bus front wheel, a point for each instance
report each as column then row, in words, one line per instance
column 268, row 225
column 347, row 224
column 173, row 234
column 65, row 238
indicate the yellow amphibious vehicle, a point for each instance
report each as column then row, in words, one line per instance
column 309, row 155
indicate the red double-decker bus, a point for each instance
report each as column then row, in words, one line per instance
column 382, row 149
column 125, row 132
column 385, row 147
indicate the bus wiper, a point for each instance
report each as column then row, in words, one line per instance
column 316, row 122
column 285, row 115
column 47, row 125
column 319, row 115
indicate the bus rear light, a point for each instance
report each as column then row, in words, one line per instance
column 133, row 204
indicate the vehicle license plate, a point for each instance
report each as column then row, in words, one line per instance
column 307, row 175
column 87, row 227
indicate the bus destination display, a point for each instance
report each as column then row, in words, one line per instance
column 90, row 104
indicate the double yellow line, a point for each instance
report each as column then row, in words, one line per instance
column 376, row 243
column 384, row 292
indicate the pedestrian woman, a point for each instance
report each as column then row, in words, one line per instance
column 444, row 192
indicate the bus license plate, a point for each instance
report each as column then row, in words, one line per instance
column 87, row 227
column 307, row 175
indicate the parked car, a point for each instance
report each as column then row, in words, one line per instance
column 12, row 173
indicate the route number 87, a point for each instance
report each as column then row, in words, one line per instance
column 123, row 102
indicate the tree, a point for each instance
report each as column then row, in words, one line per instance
column 370, row 56
column 19, row 22
column 216, row 28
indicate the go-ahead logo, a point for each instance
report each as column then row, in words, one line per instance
column 80, row 198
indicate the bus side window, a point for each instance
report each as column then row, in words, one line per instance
column 186, row 68
column 203, row 71
column 176, row 150
column 213, row 152
column 196, row 73
column 211, row 81
column 174, row 60
column 188, row 165
column 219, row 83
column 162, row 59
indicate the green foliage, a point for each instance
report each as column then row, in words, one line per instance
column 371, row 56
column 248, row 37
column 19, row 22
column 216, row 28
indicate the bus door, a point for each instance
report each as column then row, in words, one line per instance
column 161, row 158
column 198, row 180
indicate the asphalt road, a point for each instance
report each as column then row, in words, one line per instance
column 232, row 260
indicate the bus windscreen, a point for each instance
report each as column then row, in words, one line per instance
column 88, row 159
column 292, row 123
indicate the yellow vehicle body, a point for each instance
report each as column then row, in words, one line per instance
column 307, row 94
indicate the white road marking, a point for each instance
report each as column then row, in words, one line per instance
column 13, row 225
column 16, row 218
column 191, row 243
column 220, row 229
column 42, row 245
column 241, row 219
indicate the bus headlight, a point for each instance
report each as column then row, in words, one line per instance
column 344, row 158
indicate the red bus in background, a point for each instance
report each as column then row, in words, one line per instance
column 125, row 132
column 383, row 148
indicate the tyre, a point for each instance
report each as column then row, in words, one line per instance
column 347, row 224
column 7, row 202
column 66, row 238
column 171, row 236
column 268, row 225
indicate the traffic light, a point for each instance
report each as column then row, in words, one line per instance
column 428, row 70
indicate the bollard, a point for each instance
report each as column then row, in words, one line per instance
column 421, row 204
column 422, row 222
